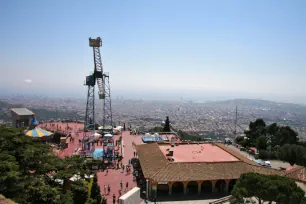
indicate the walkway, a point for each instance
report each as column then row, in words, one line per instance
column 114, row 177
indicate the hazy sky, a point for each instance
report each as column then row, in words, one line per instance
column 229, row 48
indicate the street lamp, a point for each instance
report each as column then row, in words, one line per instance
column 147, row 188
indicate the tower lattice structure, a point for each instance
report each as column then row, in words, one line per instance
column 107, row 106
column 102, row 81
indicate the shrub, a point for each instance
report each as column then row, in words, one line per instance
column 265, row 155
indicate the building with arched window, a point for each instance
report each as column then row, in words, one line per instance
column 193, row 168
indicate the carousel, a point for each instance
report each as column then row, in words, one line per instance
column 37, row 132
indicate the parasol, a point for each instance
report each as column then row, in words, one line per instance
column 35, row 131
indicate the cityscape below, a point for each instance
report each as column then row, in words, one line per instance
column 214, row 119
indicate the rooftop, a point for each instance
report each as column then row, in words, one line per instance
column 230, row 165
column 22, row 111
column 203, row 152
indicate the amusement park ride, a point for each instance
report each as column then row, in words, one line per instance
column 102, row 80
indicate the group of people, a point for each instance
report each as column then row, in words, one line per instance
column 127, row 168
column 107, row 190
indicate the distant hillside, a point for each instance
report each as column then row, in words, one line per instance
column 5, row 105
column 257, row 103
column 41, row 114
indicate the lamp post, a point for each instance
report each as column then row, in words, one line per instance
column 147, row 188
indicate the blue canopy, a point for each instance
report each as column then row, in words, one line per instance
column 98, row 154
column 146, row 139
column 34, row 121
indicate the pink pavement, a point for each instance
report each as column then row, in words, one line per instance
column 73, row 128
column 114, row 177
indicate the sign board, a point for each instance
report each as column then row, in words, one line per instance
column 163, row 182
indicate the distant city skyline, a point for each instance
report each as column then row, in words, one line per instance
column 200, row 50
column 195, row 96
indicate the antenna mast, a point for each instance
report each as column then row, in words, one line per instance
column 235, row 123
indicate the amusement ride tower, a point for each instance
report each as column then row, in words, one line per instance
column 102, row 80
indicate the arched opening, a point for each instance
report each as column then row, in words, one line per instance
column 192, row 187
column 177, row 188
column 162, row 189
column 206, row 187
column 220, row 186
column 231, row 185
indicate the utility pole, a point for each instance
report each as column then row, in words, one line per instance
column 235, row 123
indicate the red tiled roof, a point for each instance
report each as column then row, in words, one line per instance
column 236, row 154
column 200, row 171
column 198, row 152
column 298, row 174
column 151, row 157
column 155, row 166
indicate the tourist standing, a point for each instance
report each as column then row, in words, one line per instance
column 114, row 198
column 108, row 189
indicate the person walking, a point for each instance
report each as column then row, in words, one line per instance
column 104, row 189
column 114, row 198
column 108, row 189
column 121, row 184
column 127, row 185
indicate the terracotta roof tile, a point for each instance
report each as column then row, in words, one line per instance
column 298, row 174
column 201, row 171
column 151, row 159
column 266, row 171
column 155, row 166
column 236, row 154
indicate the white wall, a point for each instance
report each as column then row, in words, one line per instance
column 302, row 186
column 131, row 197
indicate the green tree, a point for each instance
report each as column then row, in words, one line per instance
column 167, row 125
column 9, row 175
column 286, row 135
column 293, row 154
column 256, row 129
column 271, row 131
column 239, row 139
column 38, row 191
column 66, row 198
column 25, row 164
column 80, row 192
column 267, row 188
column 71, row 166
column 261, row 143
column 104, row 201
column 95, row 190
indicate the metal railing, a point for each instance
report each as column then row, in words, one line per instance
column 221, row 200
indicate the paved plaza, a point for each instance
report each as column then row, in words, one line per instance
column 114, row 177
